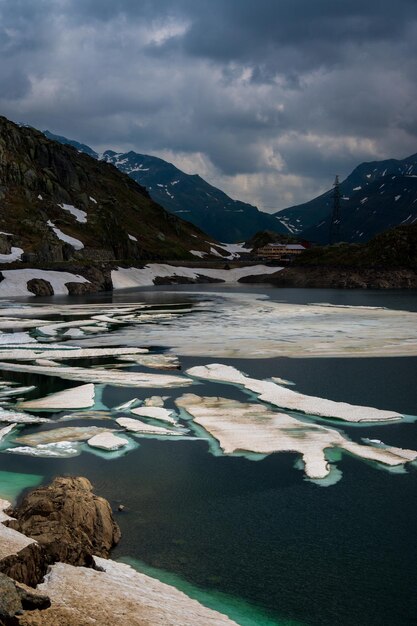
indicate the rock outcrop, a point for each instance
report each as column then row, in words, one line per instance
column 339, row 278
column 15, row 599
column 69, row 524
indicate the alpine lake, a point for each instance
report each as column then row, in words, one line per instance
column 246, row 533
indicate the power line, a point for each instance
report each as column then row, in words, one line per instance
column 334, row 234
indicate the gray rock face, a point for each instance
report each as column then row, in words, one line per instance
column 14, row 600
column 10, row 602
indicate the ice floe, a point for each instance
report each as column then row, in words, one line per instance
column 292, row 400
column 66, row 353
column 155, row 413
column 104, row 376
column 252, row 326
column 70, row 433
column 155, row 401
column 15, row 339
column 126, row 406
column 20, row 418
column 81, row 397
column 15, row 391
column 59, row 449
column 252, row 428
column 140, row 428
column 154, row 361
column 6, row 430
column 107, row 441
column 99, row 414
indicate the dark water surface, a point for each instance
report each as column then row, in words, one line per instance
column 345, row 554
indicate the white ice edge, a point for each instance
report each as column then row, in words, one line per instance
column 285, row 398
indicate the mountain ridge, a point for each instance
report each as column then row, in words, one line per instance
column 372, row 200
column 188, row 195
column 59, row 204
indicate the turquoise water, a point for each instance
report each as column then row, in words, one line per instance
column 238, row 610
column 13, row 483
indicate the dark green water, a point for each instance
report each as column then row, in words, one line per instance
column 345, row 554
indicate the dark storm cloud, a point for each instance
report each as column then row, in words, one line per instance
column 266, row 97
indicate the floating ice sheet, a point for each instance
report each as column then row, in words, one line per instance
column 155, row 413
column 252, row 326
column 154, row 361
column 65, row 353
column 107, row 441
column 14, row 417
column 105, row 376
column 59, row 449
column 6, row 430
column 252, row 428
column 81, row 397
column 70, row 433
column 288, row 399
column 138, row 427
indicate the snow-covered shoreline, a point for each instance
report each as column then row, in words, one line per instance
column 128, row 278
column 15, row 282
column 113, row 592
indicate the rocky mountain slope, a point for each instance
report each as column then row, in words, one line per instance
column 374, row 197
column 57, row 204
column 188, row 196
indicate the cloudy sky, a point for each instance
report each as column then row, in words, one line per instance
column 267, row 99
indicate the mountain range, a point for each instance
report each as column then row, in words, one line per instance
column 376, row 196
column 188, row 196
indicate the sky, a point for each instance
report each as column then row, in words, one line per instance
column 266, row 99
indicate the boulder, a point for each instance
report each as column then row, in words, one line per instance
column 80, row 289
column 40, row 287
column 5, row 245
column 69, row 523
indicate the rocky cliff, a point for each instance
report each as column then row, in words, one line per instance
column 60, row 205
